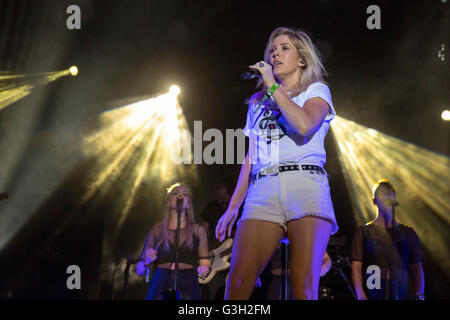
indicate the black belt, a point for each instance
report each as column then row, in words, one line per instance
column 273, row 171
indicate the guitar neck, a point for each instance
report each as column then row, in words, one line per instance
column 225, row 252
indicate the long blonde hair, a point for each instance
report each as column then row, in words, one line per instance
column 313, row 70
column 190, row 220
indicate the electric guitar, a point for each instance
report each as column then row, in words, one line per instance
column 219, row 260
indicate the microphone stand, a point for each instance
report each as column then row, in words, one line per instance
column 174, row 294
column 338, row 270
column 284, row 272
column 130, row 261
column 394, row 273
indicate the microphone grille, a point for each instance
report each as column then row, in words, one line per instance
column 249, row 75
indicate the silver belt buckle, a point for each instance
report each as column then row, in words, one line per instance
column 272, row 171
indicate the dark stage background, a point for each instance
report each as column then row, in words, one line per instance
column 388, row 79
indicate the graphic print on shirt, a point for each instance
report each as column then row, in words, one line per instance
column 270, row 128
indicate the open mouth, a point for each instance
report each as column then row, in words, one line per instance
column 277, row 64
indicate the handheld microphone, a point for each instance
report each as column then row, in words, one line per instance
column 252, row 74
column 147, row 275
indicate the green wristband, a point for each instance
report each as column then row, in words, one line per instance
column 272, row 89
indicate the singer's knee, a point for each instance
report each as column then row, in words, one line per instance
column 240, row 283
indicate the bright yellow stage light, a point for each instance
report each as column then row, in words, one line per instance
column 445, row 115
column 175, row 90
column 73, row 70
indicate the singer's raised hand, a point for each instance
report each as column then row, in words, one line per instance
column 265, row 69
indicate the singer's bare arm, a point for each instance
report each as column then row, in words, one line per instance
column 304, row 120
column 229, row 217
column 242, row 185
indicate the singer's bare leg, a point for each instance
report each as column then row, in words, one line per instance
column 254, row 245
column 308, row 238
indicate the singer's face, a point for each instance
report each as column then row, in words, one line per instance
column 384, row 198
column 283, row 57
column 179, row 191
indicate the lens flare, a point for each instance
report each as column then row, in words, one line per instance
column 420, row 177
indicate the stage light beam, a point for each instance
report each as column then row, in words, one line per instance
column 14, row 87
column 420, row 177
column 135, row 144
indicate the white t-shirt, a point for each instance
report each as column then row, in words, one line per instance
column 274, row 141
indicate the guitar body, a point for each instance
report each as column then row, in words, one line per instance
column 219, row 260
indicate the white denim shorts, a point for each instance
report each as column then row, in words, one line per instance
column 290, row 196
